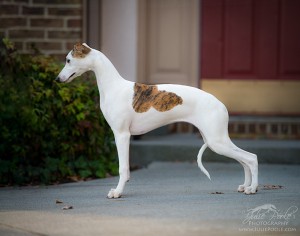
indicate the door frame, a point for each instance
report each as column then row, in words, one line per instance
column 192, row 71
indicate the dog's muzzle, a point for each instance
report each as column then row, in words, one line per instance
column 58, row 79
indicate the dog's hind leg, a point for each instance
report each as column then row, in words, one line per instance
column 122, row 142
column 247, row 171
column 247, row 159
column 214, row 130
column 251, row 171
column 247, row 182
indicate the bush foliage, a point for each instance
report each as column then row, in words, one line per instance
column 49, row 131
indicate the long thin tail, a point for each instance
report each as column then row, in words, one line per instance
column 199, row 160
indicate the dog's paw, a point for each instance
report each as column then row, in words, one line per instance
column 250, row 190
column 241, row 188
column 113, row 194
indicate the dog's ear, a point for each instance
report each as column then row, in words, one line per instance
column 84, row 44
column 80, row 50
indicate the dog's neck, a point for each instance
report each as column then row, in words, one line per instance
column 106, row 74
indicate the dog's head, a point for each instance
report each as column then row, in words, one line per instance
column 77, row 62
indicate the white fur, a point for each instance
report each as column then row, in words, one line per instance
column 199, row 108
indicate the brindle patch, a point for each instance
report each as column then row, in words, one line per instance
column 80, row 51
column 147, row 96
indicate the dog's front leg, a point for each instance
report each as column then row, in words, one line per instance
column 122, row 141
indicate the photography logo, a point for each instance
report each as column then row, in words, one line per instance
column 268, row 217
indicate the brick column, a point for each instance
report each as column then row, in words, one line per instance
column 52, row 26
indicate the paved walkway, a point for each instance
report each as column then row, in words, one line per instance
column 163, row 199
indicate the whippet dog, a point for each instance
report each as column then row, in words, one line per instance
column 133, row 109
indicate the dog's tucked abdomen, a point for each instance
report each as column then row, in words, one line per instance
column 147, row 96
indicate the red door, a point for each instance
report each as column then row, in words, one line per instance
column 250, row 39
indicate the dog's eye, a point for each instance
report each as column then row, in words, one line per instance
column 68, row 60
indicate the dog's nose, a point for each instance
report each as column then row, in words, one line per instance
column 57, row 79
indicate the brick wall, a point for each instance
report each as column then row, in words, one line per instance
column 52, row 26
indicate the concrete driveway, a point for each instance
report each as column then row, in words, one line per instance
column 167, row 198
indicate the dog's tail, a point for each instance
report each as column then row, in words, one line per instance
column 199, row 160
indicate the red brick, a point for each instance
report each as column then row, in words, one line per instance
column 274, row 128
column 70, row 45
column 19, row 45
column 60, row 57
column 231, row 128
column 9, row 10
column 58, row 1
column 46, row 23
column 64, row 11
column 294, row 129
column 2, row 34
column 18, row 34
column 64, row 34
column 252, row 128
column 45, row 45
column 262, row 128
column 11, row 22
column 74, row 23
column 22, row 1
column 241, row 128
column 33, row 10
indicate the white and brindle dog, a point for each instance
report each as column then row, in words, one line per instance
column 133, row 109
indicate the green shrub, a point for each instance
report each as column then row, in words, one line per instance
column 49, row 131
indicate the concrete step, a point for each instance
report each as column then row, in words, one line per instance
column 185, row 147
column 252, row 127
column 264, row 127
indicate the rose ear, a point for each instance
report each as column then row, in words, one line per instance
column 85, row 48
column 80, row 50
column 85, row 45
